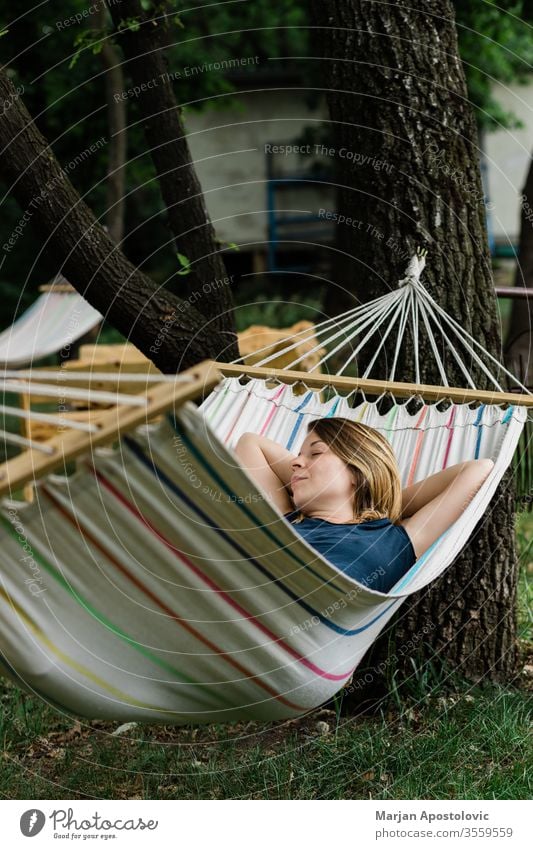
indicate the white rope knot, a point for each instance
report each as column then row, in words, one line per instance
column 415, row 268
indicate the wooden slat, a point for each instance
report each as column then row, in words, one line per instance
column 90, row 395
column 376, row 387
column 16, row 439
column 27, row 431
column 97, row 380
column 57, row 287
column 113, row 363
column 49, row 419
column 70, row 377
column 112, row 423
column 118, row 353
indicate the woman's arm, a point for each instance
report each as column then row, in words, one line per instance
column 419, row 494
column 432, row 505
column 270, row 465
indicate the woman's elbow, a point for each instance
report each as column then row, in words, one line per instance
column 246, row 445
column 480, row 470
column 485, row 466
column 248, row 436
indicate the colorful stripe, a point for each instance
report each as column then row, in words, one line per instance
column 507, row 415
column 449, row 426
column 212, row 584
column 11, row 672
column 391, row 418
column 247, row 396
column 479, row 426
column 89, row 608
column 272, row 401
column 125, row 698
column 362, row 411
column 331, row 412
column 209, row 413
column 406, row 579
column 164, row 607
column 299, row 420
column 418, row 445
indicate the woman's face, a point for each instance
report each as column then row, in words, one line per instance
column 320, row 479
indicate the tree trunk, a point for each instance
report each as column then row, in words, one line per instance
column 170, row 331
column 519, row 333
column 187, row 213
column 118, row 133
column 397, row 97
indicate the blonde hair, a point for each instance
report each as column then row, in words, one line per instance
column 378, row 488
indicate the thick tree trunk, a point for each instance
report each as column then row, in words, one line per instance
column 397, row 96
column 520, row 330
column 118, row 134
column 170, row 331
column 187, row 213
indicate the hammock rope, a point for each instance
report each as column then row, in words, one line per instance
column 407, row 302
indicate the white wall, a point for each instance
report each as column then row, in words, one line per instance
column 508, row 155
column 234, row 174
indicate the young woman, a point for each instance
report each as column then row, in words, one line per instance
column 343, row 494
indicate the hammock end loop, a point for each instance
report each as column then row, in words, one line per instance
column 417, row 263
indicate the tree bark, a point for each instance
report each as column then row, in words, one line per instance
column 170, row 331
column 397, row 96
column 118, row 134
column 188, row 218
column 519, row 332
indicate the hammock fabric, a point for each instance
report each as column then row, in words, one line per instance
column 54, row 320
column 158, row 584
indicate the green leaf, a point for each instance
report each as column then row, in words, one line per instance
column 92, row 39
column 133, row 24
column 186, row 265
column 4, row 32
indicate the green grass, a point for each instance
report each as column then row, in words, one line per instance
column 441, row 741
column 524, row 537
column 467, row 745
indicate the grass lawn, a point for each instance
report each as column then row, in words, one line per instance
column 453, row 742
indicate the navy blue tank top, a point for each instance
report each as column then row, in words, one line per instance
column 376, row 553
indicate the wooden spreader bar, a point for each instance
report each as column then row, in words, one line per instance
column 111, row 424
column 377, row 387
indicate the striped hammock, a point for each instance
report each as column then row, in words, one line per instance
column 158, row 584
column 54, row 320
